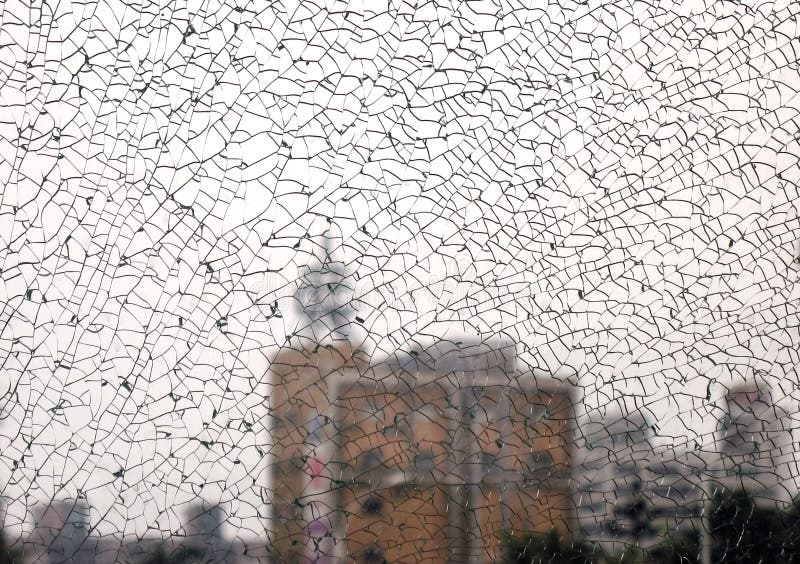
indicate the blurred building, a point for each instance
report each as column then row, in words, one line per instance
column 305, row 378
column 676, row 490
column 61, row 533
column 304, row 390
column 611, row 474
column 423, row 456
column 204, row 534
column 754, row 445
column 630, row 492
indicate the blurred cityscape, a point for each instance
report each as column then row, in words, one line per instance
column 448, row 453
column 451, row 452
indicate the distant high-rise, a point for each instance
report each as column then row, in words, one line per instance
column 204, row 532
column 754, row 444
column 61, row 533
column 612, row 475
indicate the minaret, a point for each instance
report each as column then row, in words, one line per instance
column 306, row 525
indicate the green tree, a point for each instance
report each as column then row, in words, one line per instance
column 8, row 554
column 550, row 548
column 791, row 532
column 744, row 532
column 678, row 548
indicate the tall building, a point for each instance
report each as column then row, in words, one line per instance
column 305, row 378
column 305, row 386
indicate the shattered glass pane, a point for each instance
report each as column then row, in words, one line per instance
column 394, row 281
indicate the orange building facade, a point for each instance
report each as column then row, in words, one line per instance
column 420, row 457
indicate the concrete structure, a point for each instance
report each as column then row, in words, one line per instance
column 611, row 472
column 676, row 489
column 204, row 530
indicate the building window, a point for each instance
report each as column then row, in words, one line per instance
column 540, row 460
column 371, row 459
column 539, row 464
column 488, row 464
column 537, row 413
column 372, row 506
column 374, row 411
column 372, row 553
column 424, row 462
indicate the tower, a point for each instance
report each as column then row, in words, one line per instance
column 324, row 295
column 305, row 374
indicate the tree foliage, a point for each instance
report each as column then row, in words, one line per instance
column 550, row 548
